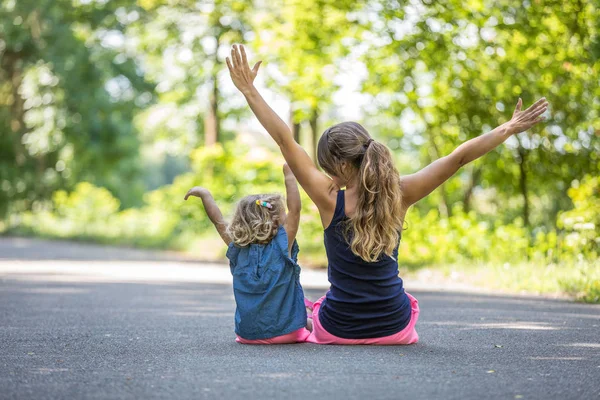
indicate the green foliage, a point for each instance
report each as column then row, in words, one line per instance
column 558, row 260
column 92, row 213
column 582, row 223
column 166, row 220
column 431, row 239
column 182, row 44
column 306, row 40
column 585, row 286
column 68, row 93
column 577, row 279
column 232, row 171
column 86, row 205
column 454, row 71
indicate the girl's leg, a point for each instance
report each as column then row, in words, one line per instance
column 309, row 314
column 309, row 324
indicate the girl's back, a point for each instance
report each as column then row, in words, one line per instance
column 266, row 286
column 366, row 299
column 263, row 256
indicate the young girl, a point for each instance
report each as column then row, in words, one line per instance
column 366, row 303
column 263, row 256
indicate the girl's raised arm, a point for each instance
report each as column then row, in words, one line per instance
column 294, row 205
column 420, row 184
column 212, row 210
column 317, row 185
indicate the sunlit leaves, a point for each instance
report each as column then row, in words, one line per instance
column 482, row 56
column 67, row 85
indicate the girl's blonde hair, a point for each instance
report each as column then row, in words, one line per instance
column 253, row 223
column 375, row 227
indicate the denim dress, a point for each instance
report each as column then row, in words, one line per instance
column 266, row 286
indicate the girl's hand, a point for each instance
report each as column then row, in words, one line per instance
column 196, row 191
column 212, row 210
column 523, row 120
column 239, row 70
column 287, row 172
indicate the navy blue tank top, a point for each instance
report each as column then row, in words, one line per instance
column 366, row 300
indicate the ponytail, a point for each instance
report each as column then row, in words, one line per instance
column 377, row 220
column 375, row 227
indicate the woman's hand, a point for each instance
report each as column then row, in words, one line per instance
column 196, row 191
column 523, row 120
column 239, row 70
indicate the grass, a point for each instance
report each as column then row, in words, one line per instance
column 579, row 281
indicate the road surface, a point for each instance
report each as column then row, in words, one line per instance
column 90, row 322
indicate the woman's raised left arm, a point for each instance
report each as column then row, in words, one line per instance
column 420, row 184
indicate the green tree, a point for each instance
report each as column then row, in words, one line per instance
column 461, row 68
column 68, row 92
column 184, row 44
column 307, row 40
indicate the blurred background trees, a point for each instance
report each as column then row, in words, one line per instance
column 110, row 110
column 69, row 91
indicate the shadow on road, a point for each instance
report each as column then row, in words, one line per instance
column 31, row 249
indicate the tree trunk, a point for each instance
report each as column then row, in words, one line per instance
column 294, row 126
column 211, row 122
column 523, row 183
column 212, row 125
column 296, row 131
column 17, row 109
column 522, row 159
column 314, row 133
column 475, row 174
column 444, row 206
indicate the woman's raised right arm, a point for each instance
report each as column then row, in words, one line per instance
column 319, row 187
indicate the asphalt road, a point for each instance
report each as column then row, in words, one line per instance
column 65, row 336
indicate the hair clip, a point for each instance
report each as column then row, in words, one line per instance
column 264, row 204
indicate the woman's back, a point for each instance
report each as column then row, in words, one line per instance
column 366, row 300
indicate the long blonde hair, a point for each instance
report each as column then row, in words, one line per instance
column 375, row 227
column 253, row 223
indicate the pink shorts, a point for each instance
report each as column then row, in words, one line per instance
column 407, row 335
column 297, row 336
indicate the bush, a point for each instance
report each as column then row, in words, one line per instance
column 92, row 213
column 582, row 223
column 231, row 172
column 585, row 284
column 463, row 237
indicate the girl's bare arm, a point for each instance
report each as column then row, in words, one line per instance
column 294, row 205
column 212, row 210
